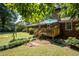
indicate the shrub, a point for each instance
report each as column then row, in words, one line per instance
column 17, row 39
column 31, row 30
column 12, row 44
column 15, row 43
column 24, row 30
column 4, row 47
column 72, row 41
column 59, row 41
column 1, row 48
column 20, row 27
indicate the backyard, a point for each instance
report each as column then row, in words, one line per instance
column 39, row 29
column 41, row 50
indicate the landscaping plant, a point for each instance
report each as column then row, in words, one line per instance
column 72, row 41
column 16, row 42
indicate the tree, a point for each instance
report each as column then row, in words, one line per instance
column 32, row 12
column 70, row 10
column 36, row 12
column 7, row 17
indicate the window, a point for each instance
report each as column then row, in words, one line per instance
column 68, row 26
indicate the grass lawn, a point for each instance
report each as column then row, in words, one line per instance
column 5, row 37
column 42, row 50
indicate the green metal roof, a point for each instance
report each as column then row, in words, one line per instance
column 49, row 21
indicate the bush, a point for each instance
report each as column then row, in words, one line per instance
column 31, row 30
column 13, row 43
column 4, row 47
column 1, row 48
column 72, row 41
column 24, row 30
column 16, row 42
column 20, row 27
column 59, row 41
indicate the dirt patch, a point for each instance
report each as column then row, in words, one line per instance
column 45, row 42
column 37, row 42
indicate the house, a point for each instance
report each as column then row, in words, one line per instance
column 53, row 27
column 69, row 27
column 56, row 26
column 48, row 27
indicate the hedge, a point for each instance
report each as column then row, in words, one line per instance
column 15, row 43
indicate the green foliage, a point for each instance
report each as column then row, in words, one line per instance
column 20, row 27
column 13, row 43
column 31, row 30
column 16, row 42
column 36, row 12
column 32, row 12
column 72, row 41
column 1, row 47
column 70, row 10
column 24, row 30
column 41, row 50
column 59, row 41
column 7, row 17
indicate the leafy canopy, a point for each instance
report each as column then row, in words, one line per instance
column 32, row 12
column 35, row 12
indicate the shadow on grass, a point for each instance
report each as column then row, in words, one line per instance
column 58, row 43
column 2, row 33
column 52, row 40
column 74, row 47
